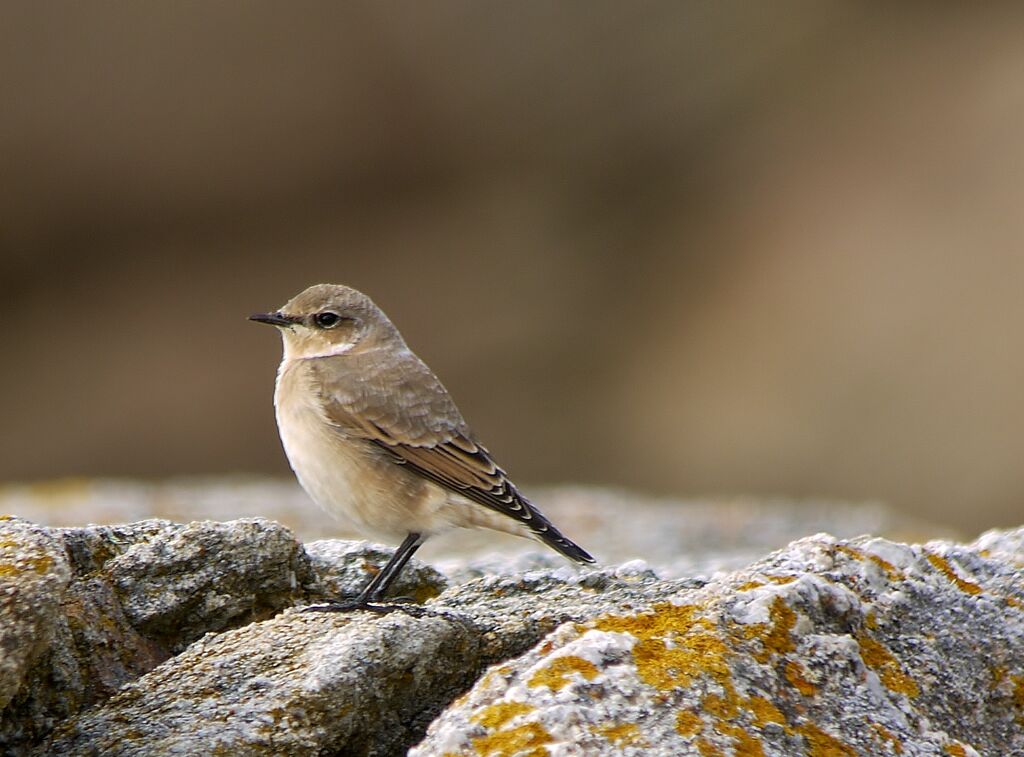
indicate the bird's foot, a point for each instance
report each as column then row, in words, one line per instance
column 399, row 604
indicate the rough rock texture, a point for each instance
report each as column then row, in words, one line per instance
column 300, row 683
column 86, row 610
column 354, row 683
column 33, row 575
column 826, row 647
column 345, row 567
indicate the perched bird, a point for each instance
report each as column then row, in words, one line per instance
column 374, row 436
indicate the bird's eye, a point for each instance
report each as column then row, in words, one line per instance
column 327, row 319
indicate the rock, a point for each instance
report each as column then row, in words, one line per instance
column 360, row 683
column 345, row 567
column 181, row 639
column 87, row 610
column 186, row 580
column 33, row 576
column 827, row 647
column 298, row 684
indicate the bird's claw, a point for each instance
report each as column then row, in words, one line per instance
column 400, row 604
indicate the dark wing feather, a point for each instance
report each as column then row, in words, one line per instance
column 403, row 409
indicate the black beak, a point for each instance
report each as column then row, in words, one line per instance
column 274, row 319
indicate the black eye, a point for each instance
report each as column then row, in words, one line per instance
column 327, row 319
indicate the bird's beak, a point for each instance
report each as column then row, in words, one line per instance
column 274, row 319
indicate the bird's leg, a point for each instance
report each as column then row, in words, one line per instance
column 379, row 584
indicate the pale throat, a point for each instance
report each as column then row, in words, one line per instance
column 293, row 353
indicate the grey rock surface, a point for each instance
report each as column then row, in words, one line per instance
column 345, row 567
column 351, row 683
column 33, row 576
column 86, row 610
column 827, row 647
column 160, row 638
column 298, row 684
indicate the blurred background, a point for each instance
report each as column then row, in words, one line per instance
column 689, row 248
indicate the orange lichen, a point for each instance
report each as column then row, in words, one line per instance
column 764, row 711
column 558, row 673
column 890, row 570
column 781, row 580
column 821, row 744
column 744, row 744
column 750, row 585
column 673, row 646
column 625, row 734
column 688, row 723
column 1018, row 696
column 723, row 708
column 891, row 743
column 528, row 738
column 957, row 750
column 39, row 564
column 778, row 639
column 707, row 749
column 496, row 715
column 797, row 677
column 877, row 657
column 946, row 569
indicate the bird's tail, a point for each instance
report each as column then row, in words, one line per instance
column 562, row 544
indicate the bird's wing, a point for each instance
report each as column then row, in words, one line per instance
column 406, row 411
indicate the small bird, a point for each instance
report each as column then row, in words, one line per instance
column 374, row 436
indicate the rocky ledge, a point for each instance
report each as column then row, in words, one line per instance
column 162, row 638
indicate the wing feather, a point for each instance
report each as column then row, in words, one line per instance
column 403, row 409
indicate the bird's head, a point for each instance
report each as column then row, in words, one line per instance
column 330, row 319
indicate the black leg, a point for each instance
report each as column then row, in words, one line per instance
column 379, row 584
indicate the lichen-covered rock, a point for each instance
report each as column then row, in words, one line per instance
column 352, row 683
column 824, row 648
column 299, row 684
column 86, row 610
column 33, row 577
column 827, row 647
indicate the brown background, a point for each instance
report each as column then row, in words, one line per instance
column 692, row 248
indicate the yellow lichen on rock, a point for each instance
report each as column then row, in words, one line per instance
column 1018, row 697
column 673, row 646
column 764, row 711
column 889, row 742
column 890, row 570
column 527, row 739
column 877, row 657
column 688, row 723
column 797, row 678
column 943, row 566
column 496, row 715
column 744, row 742
column 557, row 673
column 623, row 734
column 821, row 744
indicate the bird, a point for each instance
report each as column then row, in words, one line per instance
column 373, row 436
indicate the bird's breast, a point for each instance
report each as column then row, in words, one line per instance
column 347, row 476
